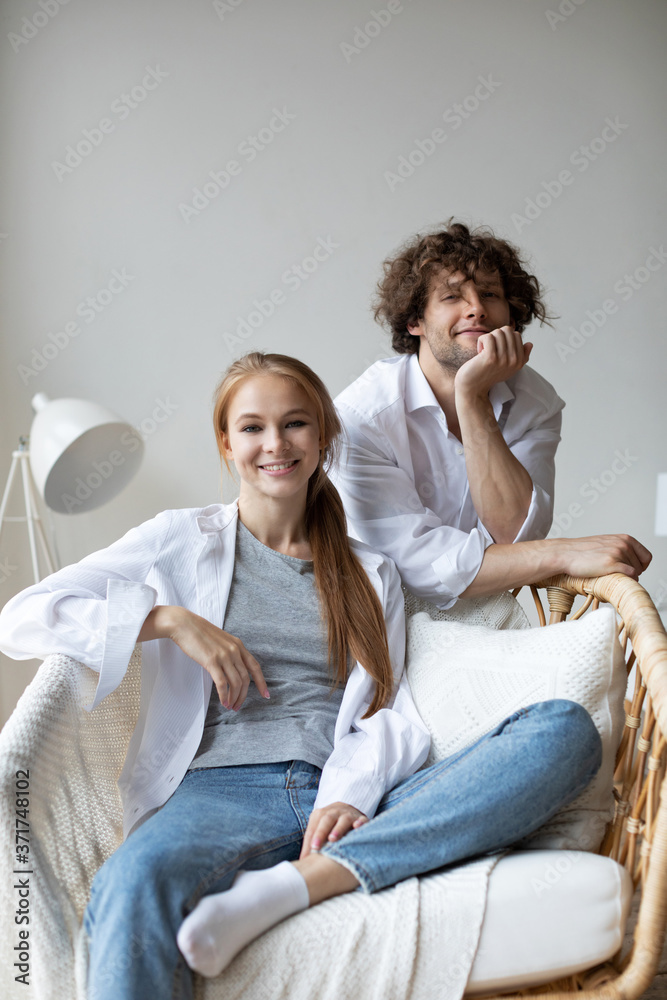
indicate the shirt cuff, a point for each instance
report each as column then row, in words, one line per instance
column 458, row 566
column 363, row 790
column 128, row 604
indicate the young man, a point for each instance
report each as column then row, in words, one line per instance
column 451, row 445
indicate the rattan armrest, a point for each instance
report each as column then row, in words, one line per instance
column 638, row 836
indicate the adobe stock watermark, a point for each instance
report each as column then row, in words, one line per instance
column 660, row 599
column 88, row 310
column 31, row 26
column 222, row 7
column 581, row 158
column 625, row 288
column 363, row 35
column 454, row 117
column 592, row 490
column 249, row 149
column 370, row 370
column 565, row 9
column 292, row 279
column 554, row 871
column 103, row 468
column 121, row 107
column 111, row 970
column 7, row 569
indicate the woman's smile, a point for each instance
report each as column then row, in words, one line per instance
column 280, row 468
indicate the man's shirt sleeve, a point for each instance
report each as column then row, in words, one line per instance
column 384, row 510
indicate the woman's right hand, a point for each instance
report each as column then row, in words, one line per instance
column 223, row 655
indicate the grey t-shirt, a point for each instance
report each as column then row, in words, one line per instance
column 273, row 608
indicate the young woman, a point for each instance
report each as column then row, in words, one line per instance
column 275, row 721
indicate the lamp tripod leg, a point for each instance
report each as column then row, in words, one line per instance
column 46, row 552
column 31, row 515
column 8, row 487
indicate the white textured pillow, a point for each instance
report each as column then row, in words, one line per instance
column 465, row 679
column 497, row 611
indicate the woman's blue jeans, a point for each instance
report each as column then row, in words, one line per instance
column 219, row 820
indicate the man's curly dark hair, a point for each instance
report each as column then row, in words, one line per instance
column 403, row 292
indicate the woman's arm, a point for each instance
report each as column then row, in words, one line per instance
column 223, row 655
column 93, row 610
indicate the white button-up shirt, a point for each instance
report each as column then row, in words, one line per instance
column 93, row 611
column 403, row 480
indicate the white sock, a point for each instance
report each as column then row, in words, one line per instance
column 222, row 924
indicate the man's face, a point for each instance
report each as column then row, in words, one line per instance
column 458, row 311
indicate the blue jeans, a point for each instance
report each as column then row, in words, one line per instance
column 222, row 819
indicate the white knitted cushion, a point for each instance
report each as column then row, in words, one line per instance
column 498, row 611
column 465, row 679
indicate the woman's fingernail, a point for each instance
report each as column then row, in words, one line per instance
column 315, row 845
column 333, row 836
column 266, row 695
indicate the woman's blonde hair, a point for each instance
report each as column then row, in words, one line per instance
column 350, row 606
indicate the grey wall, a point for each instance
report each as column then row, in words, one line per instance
column 337, row 109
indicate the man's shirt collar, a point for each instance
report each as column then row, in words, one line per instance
column 420, row 395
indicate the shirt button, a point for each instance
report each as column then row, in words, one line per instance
column 459, row 451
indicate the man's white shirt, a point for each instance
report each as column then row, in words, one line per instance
column 402, row 474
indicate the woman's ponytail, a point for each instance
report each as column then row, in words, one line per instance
column 352, row 610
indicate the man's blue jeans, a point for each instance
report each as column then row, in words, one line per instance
column 219, row 820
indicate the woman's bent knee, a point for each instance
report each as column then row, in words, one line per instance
column 576, row 729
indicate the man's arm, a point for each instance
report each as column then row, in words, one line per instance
column 501, row 488
column 384, row 509
column 505, row 567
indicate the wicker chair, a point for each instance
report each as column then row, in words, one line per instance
column 637, row 837
column 49, row 713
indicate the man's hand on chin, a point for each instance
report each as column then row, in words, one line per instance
column 500, row 354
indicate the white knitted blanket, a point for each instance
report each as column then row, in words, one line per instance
column 415, row 941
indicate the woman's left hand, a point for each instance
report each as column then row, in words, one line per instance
column 330, row 823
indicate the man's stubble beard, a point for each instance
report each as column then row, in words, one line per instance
column 450, row 356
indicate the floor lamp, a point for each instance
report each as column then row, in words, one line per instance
column 80, row 455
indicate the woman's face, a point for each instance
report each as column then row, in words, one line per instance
column 273, row 437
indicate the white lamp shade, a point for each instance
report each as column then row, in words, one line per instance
column 661, row 505
column 81, row 454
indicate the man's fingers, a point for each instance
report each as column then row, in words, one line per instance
column 634, row 555
column 487, row 343
column 642, row 552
